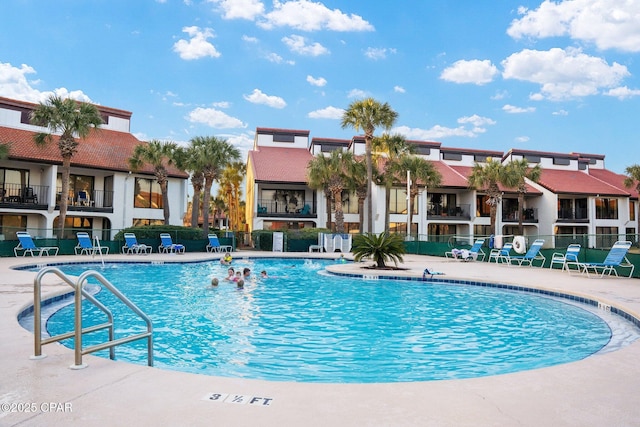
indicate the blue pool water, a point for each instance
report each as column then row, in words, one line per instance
column 303, row 325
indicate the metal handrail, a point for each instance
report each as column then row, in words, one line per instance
column 80, row 293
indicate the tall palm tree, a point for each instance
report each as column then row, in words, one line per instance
column 192, row 159
column 68, row 118
column 318, row 175
column 357, row 183
column 366, row 115
column 216, row 154
column 489, row 176
column 391, row 147
column 515, row 174
column 422, row 173
column 159, row 155
column 231, row 184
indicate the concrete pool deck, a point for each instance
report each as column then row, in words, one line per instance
column 601, row 390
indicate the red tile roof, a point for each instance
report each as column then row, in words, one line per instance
column 614, row 179
column 577, row 182
column 466, row 172
column 451, row 177
column 280, row 164
column 102, row 149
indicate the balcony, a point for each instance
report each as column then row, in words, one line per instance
column 268, row 208
column 457, row 212
column 87, row 201
column 571, row 215
column 529, row 215
column 18, row 196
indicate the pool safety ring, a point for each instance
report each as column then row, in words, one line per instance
column 519, row 244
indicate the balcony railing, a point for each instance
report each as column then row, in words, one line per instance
column 268, row 207
column 24, row 196
column 571, row 215
column 435, row 211
column 528, row 215
column 91, row 199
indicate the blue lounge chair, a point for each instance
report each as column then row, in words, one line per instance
column 502, row 254
column 167, row 245
column 617, row 257
column 27, row 246
column 306, row 210
column 214, row 245
column 570, row 257
column 468, row 255
column 131, row 245
column 85, row 246
column 533, row 254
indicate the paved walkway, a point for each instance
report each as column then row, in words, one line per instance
column 601, row 390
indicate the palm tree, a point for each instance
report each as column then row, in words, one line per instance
column 230, row 184
column 337, row 166
column 215, row 154
column 159, row 155
column 367, row 114
column 422, row 173
column 68, row 118
column 357, row 183
column 318, row 176
column 392, row 147
column 516, row 172
column 380, row 248
column 489, row 176
column 633, row 177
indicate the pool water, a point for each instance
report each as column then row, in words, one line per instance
column 304, row 325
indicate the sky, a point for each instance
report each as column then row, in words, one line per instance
column 557, row 76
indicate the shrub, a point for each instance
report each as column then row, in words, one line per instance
column 381, row 248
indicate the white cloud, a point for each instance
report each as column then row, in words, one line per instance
column 560, row 113
column 249, row 39
column 377, row 53
column 214, row 118
column 399, row 89
column 563, row 74
column 522, row 139
column 305, row 15
column 623, row 92
column 221, row 104
column 357, row 93
column 476, row 120
column 197, row 46
column 320, row 81
column 435, row 133
column 327, row 113
column 15, row 85
column 609, row 24
column 298, row 44
column 512, row 109
column 474, row 71
column 257, row 97
column 240, row 9
column 500, row 95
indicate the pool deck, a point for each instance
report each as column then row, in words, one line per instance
column 601, row 390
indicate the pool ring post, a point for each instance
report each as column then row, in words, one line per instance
column 519, row 245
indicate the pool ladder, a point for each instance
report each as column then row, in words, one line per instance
column 78, row 331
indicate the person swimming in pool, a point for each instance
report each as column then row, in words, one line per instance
column 214, row 282
column 231, row 274
column 226, row 260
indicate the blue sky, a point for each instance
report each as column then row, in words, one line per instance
column 551, row 76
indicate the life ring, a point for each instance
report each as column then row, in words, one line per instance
column 519, row 245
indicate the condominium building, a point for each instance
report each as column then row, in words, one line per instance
column 104, row 196
column 575, row 195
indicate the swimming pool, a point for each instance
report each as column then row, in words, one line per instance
column 303, row 325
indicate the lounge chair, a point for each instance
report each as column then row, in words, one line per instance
column 214, row 245
column 570, row 257
column 131, row 245
column 468, row 255
column 306, row 210
column 533, row 254
column 85, row 246
column 27, row 246
column 617, row 257
column 167, row 245
column 502, row 254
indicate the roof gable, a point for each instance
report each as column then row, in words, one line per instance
column 280, row 164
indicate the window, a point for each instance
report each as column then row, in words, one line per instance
column 9, row 224
column 480, row 158
column 401, row 227
column 632, row 210
column 349, row 202
column 72, row 225
column 147, row 194
column 283, row 137
column 606, row 208
column 482, row 230
column 12, row 181
column 137, row 222
column 532, row 159
column 77, row 184
column 564, row 161
column 398, row 202
column 423, row 151
column 441, row 232
column 451, row 156
column 482, row 207
column 606, row 236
